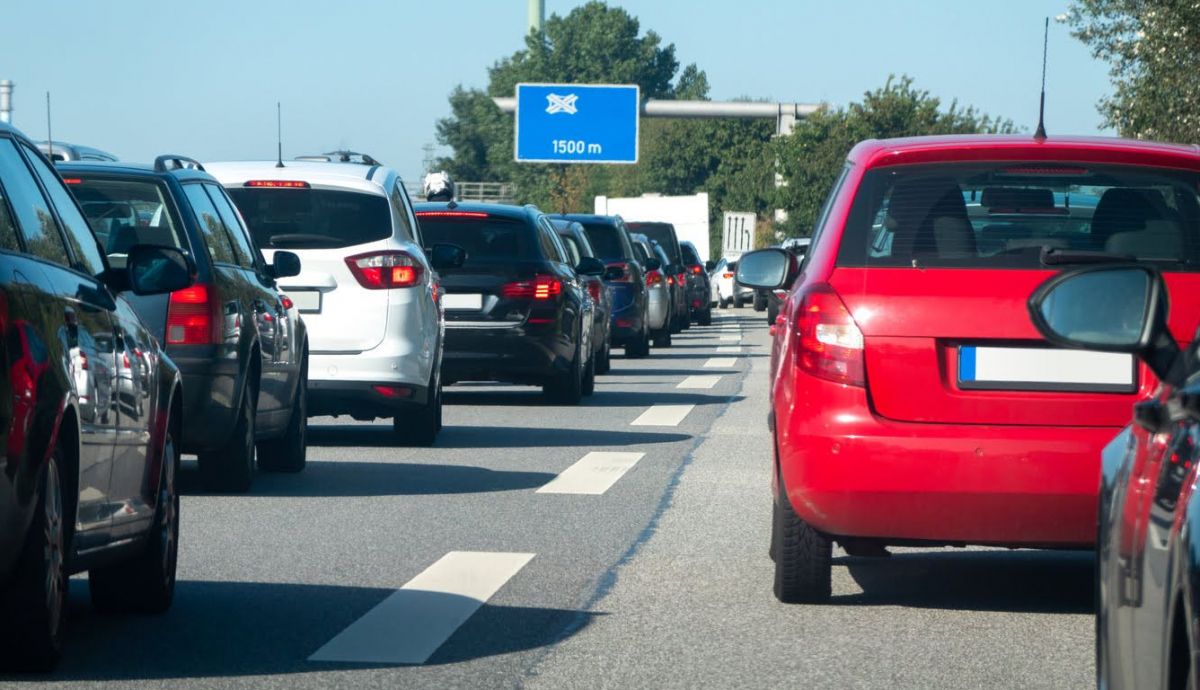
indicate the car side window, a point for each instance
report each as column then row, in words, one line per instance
column 404, row 218
column 76, row 229
column 8, row 227
column 824, row 214
column 559, row 248
column 36, row 223
column 549, row 250
column 572, row 248
column 243, row 251
column 211, row 227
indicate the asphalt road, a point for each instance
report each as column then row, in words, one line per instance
column 493, row 559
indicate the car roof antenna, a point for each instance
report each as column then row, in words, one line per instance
column 1040, row 134
column 49, row 132
column 278, row 135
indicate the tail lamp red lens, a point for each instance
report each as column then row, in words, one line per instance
column 392, row 391
column 451, row 214
column 653, row 278
column 72, row 180
column 670, row 280
column 594, row 288
column 192, row 317
column 727, row 274
column 385, row 270
column 287, row 301
column 541, row 287
column 829, row 345
column 278, row 184
column 697, row 269
column 681, row 278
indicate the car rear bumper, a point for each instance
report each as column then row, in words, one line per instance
column 209, row 397
column 627, row 325
column 510, row 354
column 850, row 473
column 364, row 400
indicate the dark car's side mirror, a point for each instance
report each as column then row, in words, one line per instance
column 590, row 266
column 154, row 270
column 285, row 264
column 1110, row 309
column 709, row 266
column 614, row 272
column 443, row 256
column 652, row 264
column 767, row 269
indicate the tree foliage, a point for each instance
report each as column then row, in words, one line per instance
column 1153, row 48
column 811, row 158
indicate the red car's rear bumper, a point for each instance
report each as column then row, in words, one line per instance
column 851, row 473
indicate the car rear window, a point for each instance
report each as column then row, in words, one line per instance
column 689, row 255
column 606, row 241
column 663, row 233
column 312, row 218
column 126, row 212
column 1002, row 215
column 493, row 239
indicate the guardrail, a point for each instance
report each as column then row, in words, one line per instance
column 483, row 192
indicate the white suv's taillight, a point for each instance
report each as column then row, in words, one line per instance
column 829, row 344
column 385, row 270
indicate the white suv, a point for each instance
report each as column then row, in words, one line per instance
column 367, row 291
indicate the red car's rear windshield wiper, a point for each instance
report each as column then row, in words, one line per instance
column 1055, row 256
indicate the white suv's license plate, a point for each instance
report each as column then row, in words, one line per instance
column 1045, row 369
column 306, row 301
column 462, row 301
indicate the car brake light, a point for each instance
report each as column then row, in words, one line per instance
column 392, row 391
column 287, row 302
column 670, row 280
column 697, row 269
column 594, row 288
column 125, row 360
column 681, row 278
column 278, row 184
column 191, row 316
column 384, row 270
column 451, row 214
column 541, row 287
column 653, row 278
column 72, row 180
column 829, row 345
column 727, row 275
column 625, row 277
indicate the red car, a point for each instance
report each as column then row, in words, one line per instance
column 913, row 402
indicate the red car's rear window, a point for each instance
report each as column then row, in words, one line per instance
column 1003, row 215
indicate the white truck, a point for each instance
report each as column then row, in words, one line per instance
column 689, row 214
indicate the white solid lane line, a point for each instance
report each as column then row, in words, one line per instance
column 594, row 474
column 410, row 625
column 729, row 349
column 699, row 382
column 720, row 363
column 663, row 415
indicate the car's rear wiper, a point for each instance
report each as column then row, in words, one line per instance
column 302, row 238
column 1055, row 256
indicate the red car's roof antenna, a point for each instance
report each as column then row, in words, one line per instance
column 1040, row 134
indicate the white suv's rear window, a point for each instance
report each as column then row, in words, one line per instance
column 1004, row 215
column 312, row 218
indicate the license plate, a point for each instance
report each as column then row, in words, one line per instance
column 306, row 301
column 1045, row 369
column 462, row 301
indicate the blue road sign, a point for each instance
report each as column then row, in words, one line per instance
column 577, row 123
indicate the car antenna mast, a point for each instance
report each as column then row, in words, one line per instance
column 278, row 135
column 1040, row 134
column 49, row 132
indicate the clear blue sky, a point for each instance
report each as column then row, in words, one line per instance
column 140, row 77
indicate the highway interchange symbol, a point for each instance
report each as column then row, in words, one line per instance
column 561, row 104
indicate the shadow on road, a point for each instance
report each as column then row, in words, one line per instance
column 488, row 437
column 227, row 629
column 1015, row 581
column 327, row 478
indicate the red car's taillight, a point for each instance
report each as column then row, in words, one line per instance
column 385, row 270
column 829, row 344
column 653, row 278
column 625, row 277
column 541, row 287
column 192, row 317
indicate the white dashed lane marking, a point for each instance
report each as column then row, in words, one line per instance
column 720, row 363
column 699, row 382
column 410, row 625
column 663, row 415
column 729, row 349
column 594, row 474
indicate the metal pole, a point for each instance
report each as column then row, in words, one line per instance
column 784, row 114
column 6, row 89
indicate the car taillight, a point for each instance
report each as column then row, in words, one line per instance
column 829, row 344
column 277, row 184
column 541, row 287
column 625, row 277
column 191, row 316
column 594, row 288
column 670, row 280
column 287, row 302
column 697, row 269
column 385, row 270
column 727, row 275
column 653, row 278
column 681, row 278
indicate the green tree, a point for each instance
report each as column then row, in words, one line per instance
column 812, row 156
column 1153, row 49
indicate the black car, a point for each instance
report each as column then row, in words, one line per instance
column 664, row 235
column 90, row 415
column 626, row 279
column 242, row 349
column 516, row 310
column 575, row 240
column 698, row 282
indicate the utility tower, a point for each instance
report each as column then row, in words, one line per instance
column 537, row 14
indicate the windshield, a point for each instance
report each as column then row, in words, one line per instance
column 312, row 218
column 1003, row 215
column 487, row 240
column 123, row 213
